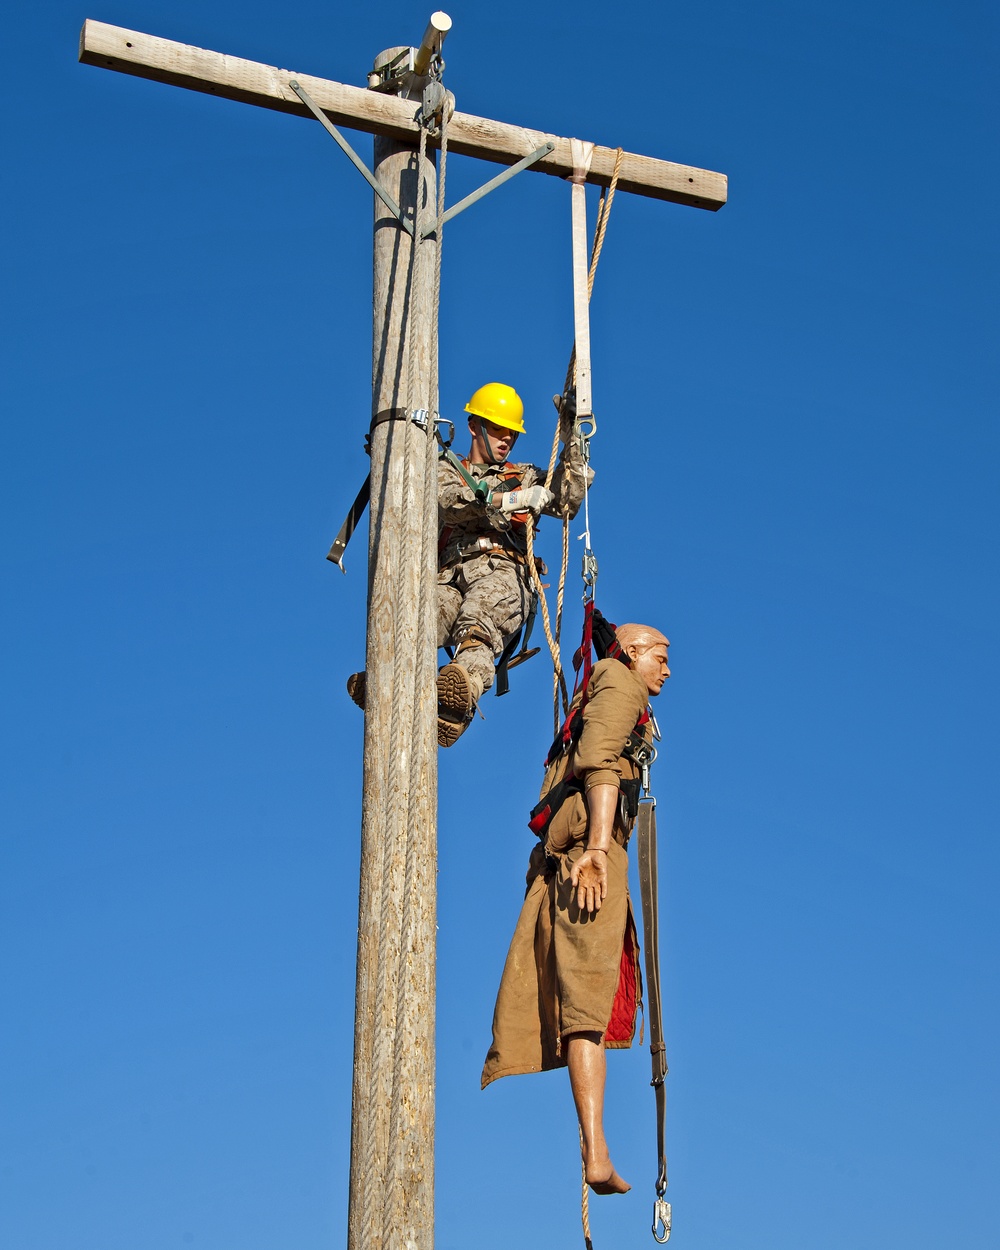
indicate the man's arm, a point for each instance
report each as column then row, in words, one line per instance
column 460, row 504
column 616, row 702
column 589, row 875
column 571, row 472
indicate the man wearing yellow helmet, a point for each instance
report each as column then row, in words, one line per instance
column 485, row 505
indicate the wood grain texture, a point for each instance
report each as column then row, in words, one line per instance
column 215, row 73
column 392, row 1119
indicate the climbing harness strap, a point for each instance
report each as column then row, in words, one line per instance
column 507, row 474
column 480, row 489
column 335, row 555
column 598, row 636
column 582, row 153
column 544, row 811
column 648, row 892
column 336, row 552
column 584, row 426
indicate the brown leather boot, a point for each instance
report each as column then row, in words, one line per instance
column 458, row 694
column 357, row 688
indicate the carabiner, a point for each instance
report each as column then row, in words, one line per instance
column 661, row 1220
column 589, row 572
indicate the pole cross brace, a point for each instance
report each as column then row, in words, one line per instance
column 487, row 187
column 352, row 156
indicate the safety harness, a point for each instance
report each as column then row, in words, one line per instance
column 513, row 527
column 517, row 521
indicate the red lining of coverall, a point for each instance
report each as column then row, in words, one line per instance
column 621, row 1026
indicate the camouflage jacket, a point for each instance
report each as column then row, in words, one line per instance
column 464, row 519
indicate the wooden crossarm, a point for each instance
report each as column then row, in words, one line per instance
column 215, row 73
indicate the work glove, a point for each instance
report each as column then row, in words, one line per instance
column 529, row 499
column 566, row 404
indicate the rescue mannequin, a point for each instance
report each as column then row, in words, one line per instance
column 571, row 984
column 485, row 505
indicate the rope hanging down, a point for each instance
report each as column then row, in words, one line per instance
column 581, row 419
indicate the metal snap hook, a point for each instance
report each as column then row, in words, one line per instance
column 589, row 572
column 661, row 1220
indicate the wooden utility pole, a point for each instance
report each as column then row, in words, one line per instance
column 392, row 1124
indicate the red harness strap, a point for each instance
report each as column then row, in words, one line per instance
column 583, row 659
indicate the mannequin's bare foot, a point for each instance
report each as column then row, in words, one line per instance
column 603, row 1179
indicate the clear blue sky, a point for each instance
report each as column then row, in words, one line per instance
column 797, row 478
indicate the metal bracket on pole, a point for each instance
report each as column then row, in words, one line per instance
column 487, row 187
column 352, row 156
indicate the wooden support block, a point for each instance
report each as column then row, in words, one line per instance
column 215, row 73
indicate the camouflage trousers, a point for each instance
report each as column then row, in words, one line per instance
column 485, row 596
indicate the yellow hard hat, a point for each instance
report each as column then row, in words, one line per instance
column 500, row 404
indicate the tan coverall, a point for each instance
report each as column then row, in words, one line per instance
column 567, row 970
column 483, row 586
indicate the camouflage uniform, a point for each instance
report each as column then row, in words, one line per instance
column 483, row 588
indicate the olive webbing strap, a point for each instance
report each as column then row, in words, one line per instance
column 648, row 892
column 479, row 489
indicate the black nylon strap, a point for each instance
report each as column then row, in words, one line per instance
column 336, row 552
column 390, row 414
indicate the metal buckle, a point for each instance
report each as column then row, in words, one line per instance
column 590, row 421
column 388, row 77
column 589, row 572
column 643, row 756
